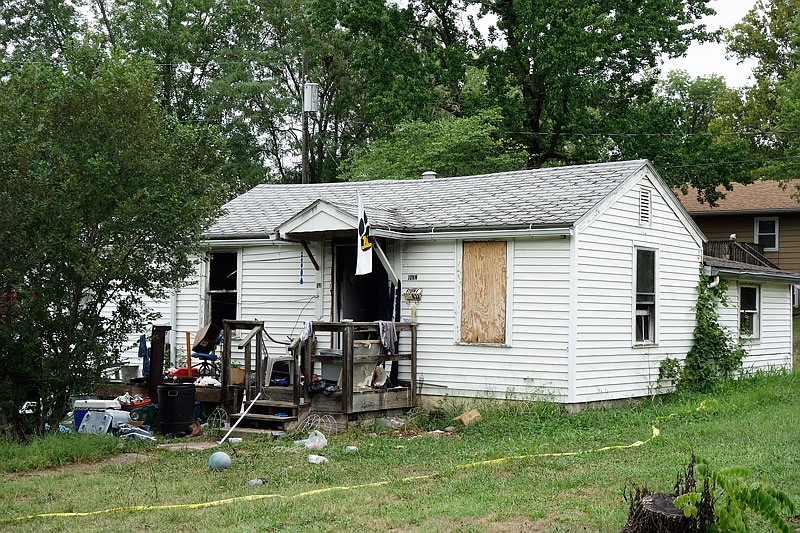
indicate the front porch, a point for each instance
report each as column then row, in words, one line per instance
column 346, row 367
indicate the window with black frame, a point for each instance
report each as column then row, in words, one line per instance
column 645, row 315
column 748, row 312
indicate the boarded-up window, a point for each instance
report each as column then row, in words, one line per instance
column 483, row 292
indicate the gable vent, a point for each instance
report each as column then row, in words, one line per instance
column 645, row 207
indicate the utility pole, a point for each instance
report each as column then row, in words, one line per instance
column 304, row 146
column 310, row 105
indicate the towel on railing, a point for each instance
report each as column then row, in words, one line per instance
column 308, row 331
column 388, row 336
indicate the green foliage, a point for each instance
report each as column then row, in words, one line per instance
column 106, row 198
column 714, row 356
column 735, row 493
column 690, row 117
column 571, row 66
column 669, row 369
column 451, row 147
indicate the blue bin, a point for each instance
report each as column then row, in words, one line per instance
column 77, row 415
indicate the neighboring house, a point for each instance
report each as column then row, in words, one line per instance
column 571, row 282
column 765, row 213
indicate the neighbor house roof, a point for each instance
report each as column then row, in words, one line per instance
column 758, row 197
column 537, row 198
column 746, row 270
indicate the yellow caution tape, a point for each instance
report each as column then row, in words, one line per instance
column 255, row 497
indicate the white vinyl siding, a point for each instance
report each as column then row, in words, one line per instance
column 773, row 348
column 535, row 360
column 607, row 366
column 129, row 351
column 271, row 290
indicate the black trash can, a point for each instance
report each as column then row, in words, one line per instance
column 175, row 407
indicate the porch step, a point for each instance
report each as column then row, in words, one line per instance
column 264, row 418
column 244, row 432
column 275, row 403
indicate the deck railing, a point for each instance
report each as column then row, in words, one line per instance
column 743, row 252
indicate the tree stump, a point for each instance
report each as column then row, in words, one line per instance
column 657, row 514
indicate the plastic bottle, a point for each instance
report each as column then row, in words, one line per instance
column 256, row 482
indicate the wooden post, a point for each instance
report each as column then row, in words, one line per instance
column 188, row 354
column 347, row 369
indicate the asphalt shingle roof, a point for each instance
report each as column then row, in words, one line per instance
column 759, row 196
column 747, row 268
column 556, row 196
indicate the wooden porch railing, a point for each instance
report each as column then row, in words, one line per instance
column 743, row 252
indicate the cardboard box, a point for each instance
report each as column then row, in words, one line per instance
column 237, row 376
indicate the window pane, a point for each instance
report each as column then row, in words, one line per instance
column 766, row 226
column 645, row 323
column 767, row 241
column 748, row 299
column 745, row 323
column 222, row 276
column 645, row 271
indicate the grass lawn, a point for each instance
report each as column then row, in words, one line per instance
column 414, row 481
column 796, row 342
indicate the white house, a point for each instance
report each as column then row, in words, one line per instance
column 571, row 282
column 759, row 310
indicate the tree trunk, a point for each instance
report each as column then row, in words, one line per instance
column 657, row 514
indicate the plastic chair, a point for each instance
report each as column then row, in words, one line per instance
column 270, row 365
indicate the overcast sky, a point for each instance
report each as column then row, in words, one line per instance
column 709, row 58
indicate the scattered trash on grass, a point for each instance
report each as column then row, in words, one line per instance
column 256, row 482
column 315, row 441
column 393, row 422
column 128, row 432
column 317, row 459
column 351, row 449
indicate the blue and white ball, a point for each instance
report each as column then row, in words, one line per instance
column 219, row 461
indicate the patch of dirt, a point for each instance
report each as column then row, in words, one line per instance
column 114, row 460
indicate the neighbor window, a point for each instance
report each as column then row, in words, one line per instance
column 645, row 315
column 766, row 232
column 748, row 312
column 483, row 292
column 222, row 283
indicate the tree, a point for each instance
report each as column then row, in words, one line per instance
column 451, row 147
column 770, row 34
column 563, row 66
column 106, row 197
column 685, row 129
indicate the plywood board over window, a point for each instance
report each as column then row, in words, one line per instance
column 483, row 292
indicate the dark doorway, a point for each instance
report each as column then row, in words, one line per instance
column 362, row 298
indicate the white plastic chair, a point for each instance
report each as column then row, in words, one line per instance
column 272, row 359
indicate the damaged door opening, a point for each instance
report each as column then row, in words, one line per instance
column 362, row 298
